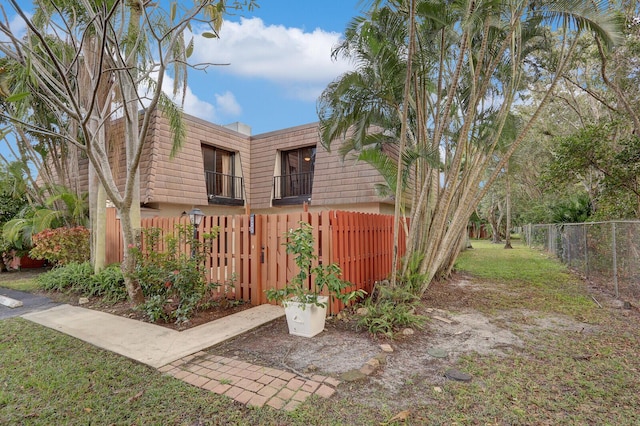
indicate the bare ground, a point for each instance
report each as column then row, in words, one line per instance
column 417, row 364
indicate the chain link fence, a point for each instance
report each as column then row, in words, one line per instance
column 606, row 253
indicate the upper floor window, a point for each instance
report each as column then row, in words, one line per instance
column 223, row 186
column 295, row 182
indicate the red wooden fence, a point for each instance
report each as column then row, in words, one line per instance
column 361, row 243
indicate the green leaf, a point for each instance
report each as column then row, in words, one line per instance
column 189, row 51
column 209, row 35
column 172, row 13
column 17, row 97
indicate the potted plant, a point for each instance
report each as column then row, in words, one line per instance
column 305, row 305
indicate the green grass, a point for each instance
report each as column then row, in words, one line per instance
column 493, row 262
column 28, row 285
column 49, row 378
column 558, row 376
column 528, row 279
column 588, row 378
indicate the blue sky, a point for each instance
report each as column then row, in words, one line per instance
column 280, row 61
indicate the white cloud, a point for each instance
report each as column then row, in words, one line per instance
column 227, row 102
column 197, row 107
column 225, row 106
column 297, row 60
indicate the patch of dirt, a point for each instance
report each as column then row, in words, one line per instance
column 410, row 371
column 417, row 364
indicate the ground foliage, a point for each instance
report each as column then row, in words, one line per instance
column 582, row 368
column 171, row 272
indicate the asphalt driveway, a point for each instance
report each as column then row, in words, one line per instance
column 31, row 303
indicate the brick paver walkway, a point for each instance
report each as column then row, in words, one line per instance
column 247, row 383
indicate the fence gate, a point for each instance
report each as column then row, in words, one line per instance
column 250, row 253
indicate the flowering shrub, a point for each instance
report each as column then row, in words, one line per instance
column 173, row 281
column 62, row 245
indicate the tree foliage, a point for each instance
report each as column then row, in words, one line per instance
column 582, row 155
column 89, row 62
column 468, row 62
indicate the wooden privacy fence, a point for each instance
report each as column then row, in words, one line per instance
column 250, row 249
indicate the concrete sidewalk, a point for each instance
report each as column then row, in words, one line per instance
column 149, row 344
column 180, row 353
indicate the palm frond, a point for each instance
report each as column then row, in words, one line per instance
column 593, row 16
column 383, row 163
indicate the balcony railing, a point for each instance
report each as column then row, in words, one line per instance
column 292, row 188
column 224, row 189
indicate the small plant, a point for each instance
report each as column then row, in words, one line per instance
column 326, row 276
column 9, row 252
column 173, row 280
column 108, row 283
column 62, row 246
column 66, row 277
column 215, row 294
column 391, row 310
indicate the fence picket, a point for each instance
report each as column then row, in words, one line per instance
column 361, row 244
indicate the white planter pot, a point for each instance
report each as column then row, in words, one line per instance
column 305, row 319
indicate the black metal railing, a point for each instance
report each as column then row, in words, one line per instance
column 292, row 185
column 223, row 188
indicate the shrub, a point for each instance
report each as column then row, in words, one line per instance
column 173, row 280
column 9, row 252
column 66, row 277
column 108, row 283
column 391, row 310
column 62, row 246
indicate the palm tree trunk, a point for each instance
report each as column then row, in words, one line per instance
column 507, row 243
column 403, row 140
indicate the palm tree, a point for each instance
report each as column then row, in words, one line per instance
column 467, row 69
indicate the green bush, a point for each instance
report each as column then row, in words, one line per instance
column 66, row 277
column 62, row 246
column 108, row 283
column 172, row 280
column 391, row 310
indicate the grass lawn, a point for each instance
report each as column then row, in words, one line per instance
column 559, row 376
column 21, row 281
column 589, row 376
column 51, row 379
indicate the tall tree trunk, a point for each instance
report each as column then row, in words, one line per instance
column 134, row 290
column 130, row 207
column 99, row 128
column 507, row 243
column 403, row 140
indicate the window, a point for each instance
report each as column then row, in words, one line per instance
column 295, row 182
column 223, row 186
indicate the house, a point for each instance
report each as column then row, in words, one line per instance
column 224, row 170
